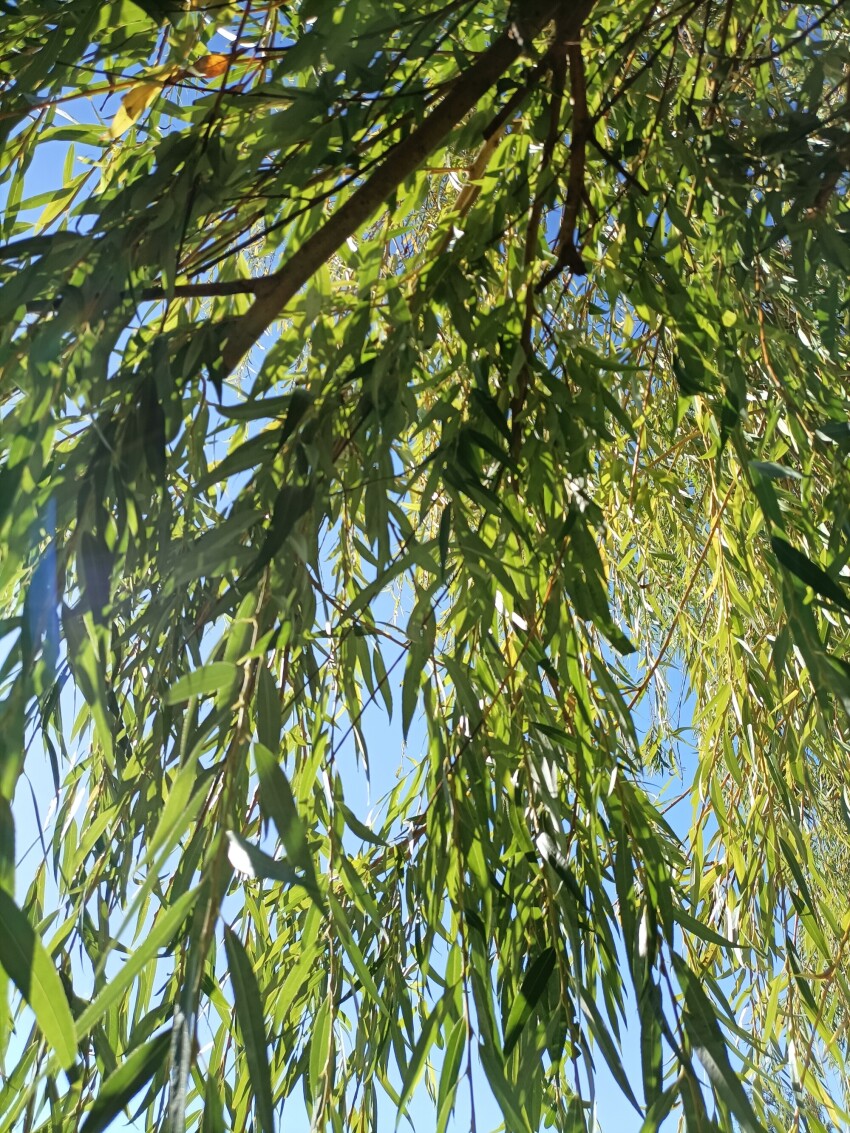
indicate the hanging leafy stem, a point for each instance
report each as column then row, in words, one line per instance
column 424, row 449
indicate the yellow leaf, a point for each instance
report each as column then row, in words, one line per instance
column 133, row 105
column 209, row 66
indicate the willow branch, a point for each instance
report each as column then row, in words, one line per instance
column 568, row 255
column 276, row 290
column 156, row 293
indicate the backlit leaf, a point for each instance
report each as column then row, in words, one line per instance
column 25, row 961
column 250, row 1015
column 123, row 1084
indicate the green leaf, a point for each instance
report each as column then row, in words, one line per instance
column 356, row 957
column 417, row 1059
column 774, row 471
column 160, row 936
column 659, row 1109
column 254, row 862
column 382, row 681
column 214, row 677
column 177, row 812
column 705, row 1037
column 83, row 639
column 702, row 931
column 650, row 1010
column 809, row 572
column 7, row 846
column 411, row 683
column 836, row 432
column 364, row 832
column 250, row 1016
column 534, row 983
column 607, row 1046
column 158, row 10
column 444, row 537
column 213, row 1108
column 268, row 709
column 504, row 1091
column 278, row 802
column 455, row 1045
column 320, row 1035
column 292, row 503
column 124, row 1083
column 28, row 966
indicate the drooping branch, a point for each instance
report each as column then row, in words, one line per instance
column 567, row 254
column 214, row 289
column 276, row 290
column 558, row 72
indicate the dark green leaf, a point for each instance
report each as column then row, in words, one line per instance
column 534, row 983
column 291, row 504
column 123, row 1084
column 23, row 957
column 705, row 1037
column 808, row 572
column 250, row 1016
column 445, row 535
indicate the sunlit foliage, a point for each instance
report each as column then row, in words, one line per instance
column 424, row 435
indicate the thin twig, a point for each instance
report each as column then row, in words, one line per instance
column 639, row 691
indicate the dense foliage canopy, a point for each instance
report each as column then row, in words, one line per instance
column 424, row 432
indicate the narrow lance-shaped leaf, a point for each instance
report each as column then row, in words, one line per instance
column 254, row 862
column 278, row 802
column 809, row 572
column 533, row 985
column 23, row 957
column 505, row 1091
column 419, row 1056
column 449, row 1073
column 358, row 961
column 208, row 679
column 124, row 1083
column 251, row 1017
column 705, row 1037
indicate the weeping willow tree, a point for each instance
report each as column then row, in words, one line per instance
column 403, row 404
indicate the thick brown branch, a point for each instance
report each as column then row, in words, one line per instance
column 568, row 255
column 402, row 161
